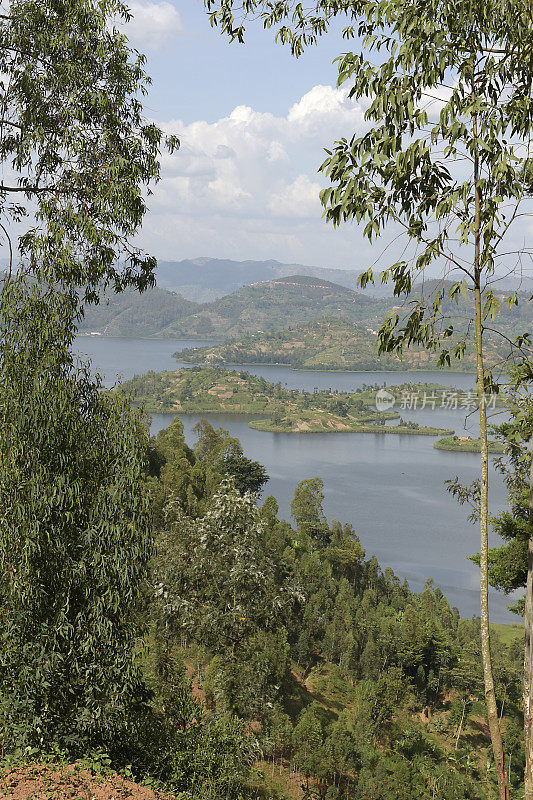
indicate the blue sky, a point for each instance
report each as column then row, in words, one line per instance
column 197, row 74
column 253, row 122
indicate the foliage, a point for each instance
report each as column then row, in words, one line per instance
column 350, row 625
column 76, row 149
column 508, row 563
column 180, row 745
column 74, row 535
column 216, row 588
column 445, row 161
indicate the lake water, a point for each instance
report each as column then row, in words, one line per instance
column 390, row 488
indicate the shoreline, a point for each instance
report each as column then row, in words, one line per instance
column 336, row 370
column 272, row 364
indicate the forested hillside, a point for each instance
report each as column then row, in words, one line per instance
column 161, row 313
column 275, row 304
column 328, row 344
column 351, row 684
column 133, row 314
column 164, row 633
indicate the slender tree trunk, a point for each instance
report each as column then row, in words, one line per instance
column 460, row 726
column 490, row 697
column 528, row 659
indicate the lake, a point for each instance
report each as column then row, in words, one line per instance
column 390, row 488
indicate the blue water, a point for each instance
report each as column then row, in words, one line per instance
column 390, row 488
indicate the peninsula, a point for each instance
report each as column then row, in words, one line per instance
column 325, row 344
column 464, row 444
column 213, row 390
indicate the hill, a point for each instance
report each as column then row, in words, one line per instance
column 275, row 304
column 206, row 279
column 353, row 686
column 134, row 314
column 324, row 344
column 317, row 321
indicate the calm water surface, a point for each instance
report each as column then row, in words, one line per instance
column 390, row 488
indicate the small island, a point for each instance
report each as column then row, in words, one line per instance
column 312, row 423
column 213, row 390
column 465, row 444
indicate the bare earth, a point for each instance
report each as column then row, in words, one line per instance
column 71, row 782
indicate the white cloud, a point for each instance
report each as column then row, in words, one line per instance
column 155, row 23
column 254, row 163
column 297, row 199
column 247, row 184
column 323, row 111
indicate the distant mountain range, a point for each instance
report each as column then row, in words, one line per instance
column 206, row 279
column 270, row 305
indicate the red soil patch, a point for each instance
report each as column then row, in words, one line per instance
column 70, row 782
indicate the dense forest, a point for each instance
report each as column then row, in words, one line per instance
column 288, row 647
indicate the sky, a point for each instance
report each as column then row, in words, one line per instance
column 253, row 123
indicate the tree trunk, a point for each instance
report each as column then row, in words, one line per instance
column 528, row 660
column 490, row 698
column 460, row 726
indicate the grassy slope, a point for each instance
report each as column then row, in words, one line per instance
column 508, row 633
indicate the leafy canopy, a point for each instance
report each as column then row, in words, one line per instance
column 74, row 534
column 75, row 149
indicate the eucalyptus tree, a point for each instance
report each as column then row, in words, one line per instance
column 74, row 535
column 77, row 161
column 445, row 161
column 216, row 586
column 510, row 565
column 75, row 148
